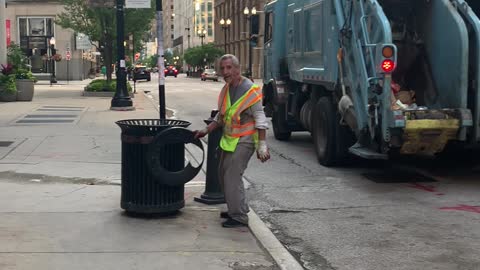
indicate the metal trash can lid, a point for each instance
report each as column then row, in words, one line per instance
column 151, row 123
column 172, row 136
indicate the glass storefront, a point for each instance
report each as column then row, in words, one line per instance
column 35, row 34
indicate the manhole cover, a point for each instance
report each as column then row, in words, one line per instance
column 397, row 177
column 5, row 143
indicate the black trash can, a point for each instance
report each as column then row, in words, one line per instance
column 141, row 191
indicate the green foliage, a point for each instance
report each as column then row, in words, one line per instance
column 16, row 57
column 100, row 85
column 195, row 56
column 7, row 83
column 152, row 61
column 24, row 74
column 99, row 24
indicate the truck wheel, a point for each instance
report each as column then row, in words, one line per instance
column 280, row 127
column 331, row 140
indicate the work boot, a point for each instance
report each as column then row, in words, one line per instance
column 224, row 214
column 232, row 223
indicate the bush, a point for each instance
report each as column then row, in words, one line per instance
column 100, row 85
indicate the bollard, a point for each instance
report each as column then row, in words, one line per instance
column 213, row 193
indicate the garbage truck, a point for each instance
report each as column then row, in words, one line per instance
column 373, row 78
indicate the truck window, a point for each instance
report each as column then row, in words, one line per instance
column 297, row 26
column 268, row 27
column 314, row 28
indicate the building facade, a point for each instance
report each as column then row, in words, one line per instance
column 192, row 22
column 235, row 38
column 32, row 26
column 168, row 35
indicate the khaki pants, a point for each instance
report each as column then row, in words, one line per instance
column 231, row 168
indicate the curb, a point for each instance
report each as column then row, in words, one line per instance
column 279, row 253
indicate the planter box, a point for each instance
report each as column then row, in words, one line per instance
column 25, row 88
column 101, row 94
column 7, row 97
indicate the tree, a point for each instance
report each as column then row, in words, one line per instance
column 99, row 24
column 200, row 56
column 152, row 61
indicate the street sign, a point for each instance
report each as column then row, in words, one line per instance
column 68, row 56
column 138, row 4
column 82, row 42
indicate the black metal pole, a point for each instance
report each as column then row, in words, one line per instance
column 121, row 100
column 250, row 72
column 161, row 60
column 213, row 192
column 53, row 78
column 225, row 34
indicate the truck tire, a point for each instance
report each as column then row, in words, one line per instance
column 331, row 140
column 280, row 127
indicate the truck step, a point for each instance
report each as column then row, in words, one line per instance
column 366, row 153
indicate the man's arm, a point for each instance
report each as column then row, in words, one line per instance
column 211, row 127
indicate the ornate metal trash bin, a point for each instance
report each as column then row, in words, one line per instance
column 153, row 164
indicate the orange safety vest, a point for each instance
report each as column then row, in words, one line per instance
column 233, row 129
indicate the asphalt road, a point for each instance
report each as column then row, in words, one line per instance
column 339, row 218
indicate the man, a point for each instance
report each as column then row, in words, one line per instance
column 244, row 128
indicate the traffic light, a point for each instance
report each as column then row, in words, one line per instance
column 386, row 58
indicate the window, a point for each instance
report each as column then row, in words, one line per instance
column 297, row 26
column 313, row 29
column 172, row 27
column 34, row 35
column 172, row 36
column 268, row 27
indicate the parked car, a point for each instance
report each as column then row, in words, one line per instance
column 209, row 74
column 141, row 72
column 171, row 71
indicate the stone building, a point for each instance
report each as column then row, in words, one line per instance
column 235, row 37
column 31, row 24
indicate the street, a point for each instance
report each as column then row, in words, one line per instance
column 356, row 216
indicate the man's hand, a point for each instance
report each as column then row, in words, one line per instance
column 262, row 151
column 200, row 133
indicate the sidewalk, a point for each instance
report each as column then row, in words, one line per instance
column 60, row 163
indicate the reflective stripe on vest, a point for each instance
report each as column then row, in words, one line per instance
column 233, row 129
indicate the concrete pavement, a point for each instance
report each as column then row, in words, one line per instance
column 60, row 163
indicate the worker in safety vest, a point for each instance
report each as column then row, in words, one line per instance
column 244, row 129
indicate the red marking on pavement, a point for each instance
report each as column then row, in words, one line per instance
column 463, row 207
column 423, row 187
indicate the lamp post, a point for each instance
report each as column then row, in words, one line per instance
column 202, row 34
column 225, row 25
column 248, row 13
column 121, row 101
column 53, row 78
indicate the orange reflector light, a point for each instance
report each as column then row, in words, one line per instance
column 388, row 65
column 387, row 51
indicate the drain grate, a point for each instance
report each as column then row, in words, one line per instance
column 396, row 176
column 51, row 116
column 59, row 110
column 41, row 121
column 5, row 143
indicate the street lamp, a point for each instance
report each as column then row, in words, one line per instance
column 201, row 34
column 248, row 14
column 53, row 78
column 225, row 24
